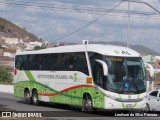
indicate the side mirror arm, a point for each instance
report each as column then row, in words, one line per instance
column 105, row 67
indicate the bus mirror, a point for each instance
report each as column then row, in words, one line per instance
column 104, row 65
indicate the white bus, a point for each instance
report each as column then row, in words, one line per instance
column 90, row 76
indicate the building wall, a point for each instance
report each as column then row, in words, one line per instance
column 7, row 54
column 11, row 40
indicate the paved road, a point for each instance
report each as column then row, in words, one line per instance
column 63, row 112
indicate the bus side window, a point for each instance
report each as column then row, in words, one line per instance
column 92, row 57
column 18, row 62
column 35, row 62
column 68, row 61
column 98, row 75
column 81, row 63
column 57, row 63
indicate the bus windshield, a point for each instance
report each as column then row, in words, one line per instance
column 126, row 75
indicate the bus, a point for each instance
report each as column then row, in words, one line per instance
column 91, row 76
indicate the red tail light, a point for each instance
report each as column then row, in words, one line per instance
column 15, row 71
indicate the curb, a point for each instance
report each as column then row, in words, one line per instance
column 7, row 88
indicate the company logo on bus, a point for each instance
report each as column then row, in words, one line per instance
column 116, row 52
column 125, row 53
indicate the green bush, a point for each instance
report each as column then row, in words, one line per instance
column 158, row 75
column 5, row 76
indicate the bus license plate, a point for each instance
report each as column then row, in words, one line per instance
column 128, row 105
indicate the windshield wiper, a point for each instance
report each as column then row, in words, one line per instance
column 129, row 81
column 134, row 84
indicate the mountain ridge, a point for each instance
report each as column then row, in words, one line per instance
column 9, row 29
column 143, row 50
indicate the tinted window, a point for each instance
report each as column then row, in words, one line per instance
column 57, row 62
column 75, row 62
column 18, row 62
column 154, row 93
column 81, row 63
column 92, row 57
column 69, row 61
column 98, row 75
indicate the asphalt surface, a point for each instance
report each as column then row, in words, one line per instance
column 9, row 103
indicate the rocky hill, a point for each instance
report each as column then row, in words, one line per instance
column 8, row 29
column 139, row 48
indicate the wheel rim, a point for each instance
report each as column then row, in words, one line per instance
column 147, row 108
column 35, row 98
column 27, row 96
column 88, row 105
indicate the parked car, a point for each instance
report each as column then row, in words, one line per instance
column 153, row 100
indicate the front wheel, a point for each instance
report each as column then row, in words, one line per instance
column 35, row 98
column 147, row 108
column 87, row 104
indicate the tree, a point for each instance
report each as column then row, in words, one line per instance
column 158, row 75
column 5, row 76
column 1, row 47
column 37, row 48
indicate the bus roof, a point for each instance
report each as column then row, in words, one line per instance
column 110, row 50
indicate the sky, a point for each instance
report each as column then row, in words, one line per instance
column 93, row 20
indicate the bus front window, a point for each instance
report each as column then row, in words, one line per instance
column 126, row 75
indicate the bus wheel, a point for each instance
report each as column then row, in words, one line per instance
column 87, row 104
column 35, row 98
column 27, row 97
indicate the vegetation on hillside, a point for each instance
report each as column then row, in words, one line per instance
column 157, row 76
column 9, row 29
column 1, row 47
column 38, row 47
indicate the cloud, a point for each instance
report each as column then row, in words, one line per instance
column 52, row 24
column 95, row 29
column 61, row 29
column 27, row 18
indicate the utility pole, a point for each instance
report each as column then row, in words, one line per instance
column 128, row 39
column 141, row 2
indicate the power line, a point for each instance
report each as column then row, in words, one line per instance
column 146, row 4
column 88, row 10
column 88, row 23
column 78, row 9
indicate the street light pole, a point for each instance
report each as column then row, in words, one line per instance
column 128, row 39
column 141, row 2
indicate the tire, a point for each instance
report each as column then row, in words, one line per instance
column 35, row 99
column 87, row 104
column 27, row 97
column 147, row 108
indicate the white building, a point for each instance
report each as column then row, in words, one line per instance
column 11, row 41
column 10, row 52
column 31, row 45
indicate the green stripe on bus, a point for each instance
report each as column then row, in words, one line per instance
column 29, row 75
column 42, row 85
column 136, row 102
column 122, row 102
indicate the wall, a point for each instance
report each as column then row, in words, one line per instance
column 6, row 88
